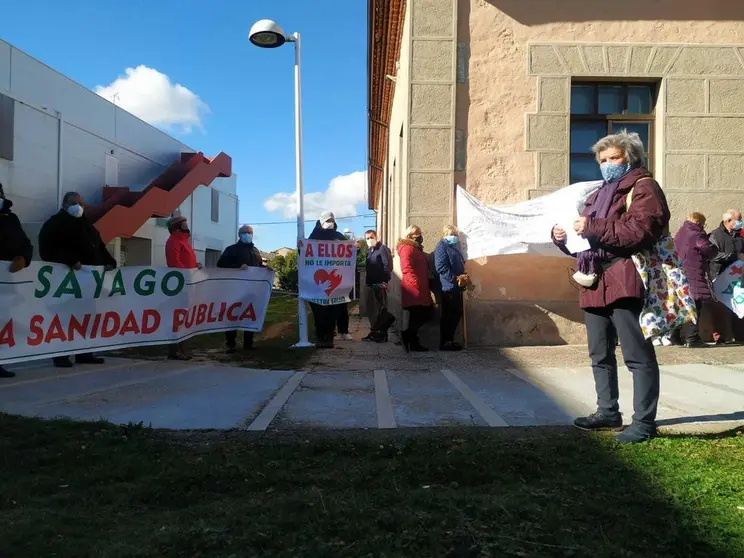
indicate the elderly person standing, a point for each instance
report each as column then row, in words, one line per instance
column 379, row 270
column 241, row 255
column 728, row 240
column 696, row 252
column 616, row 229
column 15, row 247
column 69, row 238
column 180, row 255
column 414, row 287
column 450, row 266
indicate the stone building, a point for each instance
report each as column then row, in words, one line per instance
column 505, row 98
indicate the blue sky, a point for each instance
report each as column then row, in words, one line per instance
column 204, row 47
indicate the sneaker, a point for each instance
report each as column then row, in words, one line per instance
column 636, row 434
column 657, row 342
column 598, row 422
column 346, row 337
column 666, row 341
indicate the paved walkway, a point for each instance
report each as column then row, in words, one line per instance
column 448, row 390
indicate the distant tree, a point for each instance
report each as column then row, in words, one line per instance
column 362, row 255
column 286, row 271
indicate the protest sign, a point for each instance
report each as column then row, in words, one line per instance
column 326, row 271
column 50, row 310
column 728, row 288
column 522, row 228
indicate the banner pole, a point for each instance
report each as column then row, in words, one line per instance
column 464, row 314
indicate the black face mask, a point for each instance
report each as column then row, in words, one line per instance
column 418, row 239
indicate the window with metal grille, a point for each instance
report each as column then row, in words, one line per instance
column 599, row 109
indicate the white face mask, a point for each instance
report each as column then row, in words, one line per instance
column 76, row 210
column 371, row 242
column 328, row 225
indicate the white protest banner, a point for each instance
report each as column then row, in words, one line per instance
column 326, row 271
column 521, row 228
column 50, row 310
column 728, row 289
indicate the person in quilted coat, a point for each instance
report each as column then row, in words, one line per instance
column 414, row 287
column 614, row 298
column 696, row 252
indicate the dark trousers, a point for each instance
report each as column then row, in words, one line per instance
column 690, row 332
column 82, row 356
column 620, row 321
column 724, row 322
column 451, row 306
column 417, row 317
column 375, row 298
column 342, row 318
column 325, row 321
column 231, row 338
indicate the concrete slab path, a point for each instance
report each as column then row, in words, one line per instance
column 176, row 395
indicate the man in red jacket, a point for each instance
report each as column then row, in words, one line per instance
column 179, row 254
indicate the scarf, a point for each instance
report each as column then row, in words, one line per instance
column 590, row 261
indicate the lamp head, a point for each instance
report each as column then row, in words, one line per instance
column 267, row 34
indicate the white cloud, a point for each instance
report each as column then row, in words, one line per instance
column 343, row 195
column 150, row 95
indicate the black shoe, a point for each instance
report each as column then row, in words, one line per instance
column 230, row 349
column 636, row 434
column 62, row 362
column 598, row 422
column 371, row 338
column 88, row 359
column 6, row 373
column 695, row 345
column 248, row 347
column 405, row 340
column 451, row 346
column 417, row 347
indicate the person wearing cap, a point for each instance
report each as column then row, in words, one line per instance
column 241, row 255
column 69, row 238
column 325, row 316
column 180, row 255
column 15, row 247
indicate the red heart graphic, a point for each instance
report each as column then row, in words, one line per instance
column 334, row 278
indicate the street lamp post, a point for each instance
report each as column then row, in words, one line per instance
column 268, row 34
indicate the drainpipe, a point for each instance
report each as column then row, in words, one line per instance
column 59, row 158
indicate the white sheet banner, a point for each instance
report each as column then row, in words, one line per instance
column 728, row 288
column 50, row 310
column 326, row 271
column 521, row 228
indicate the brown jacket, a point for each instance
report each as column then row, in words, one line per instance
column 623, row 234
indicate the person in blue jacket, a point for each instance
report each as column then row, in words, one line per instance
column 449, row 264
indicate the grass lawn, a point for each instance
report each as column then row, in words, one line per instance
column 96, row 490
column 272, row 345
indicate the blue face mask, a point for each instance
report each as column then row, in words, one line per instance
column 451, row 239
column 611, row 172
column 246, row 238
column 738, row 225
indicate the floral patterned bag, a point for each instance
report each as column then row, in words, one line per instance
column 669, row 303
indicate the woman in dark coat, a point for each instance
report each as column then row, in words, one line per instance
column 696, row 252
column 613, row 302
column 15, row 247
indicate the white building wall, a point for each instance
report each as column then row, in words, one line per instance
column 63, row 134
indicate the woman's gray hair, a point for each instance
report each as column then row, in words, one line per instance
column 629, row 142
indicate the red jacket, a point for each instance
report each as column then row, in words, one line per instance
column 624, row 233
column 414, row 284
column 178, row 251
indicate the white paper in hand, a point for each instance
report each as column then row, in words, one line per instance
column 574, row 242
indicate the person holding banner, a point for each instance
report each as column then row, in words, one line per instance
column 241, row 255
column 179, row 254
column 414, row 287
column 730, row 244
column 697, row 252
column 69, row 238
column 613, row 294
column 325, row 315
column 450, row 266
column 15, row 247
